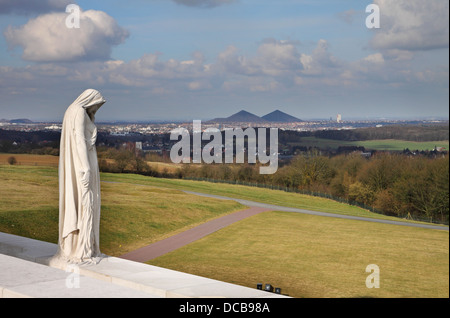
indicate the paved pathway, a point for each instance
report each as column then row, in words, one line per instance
column 167, row 245
column 334, row 215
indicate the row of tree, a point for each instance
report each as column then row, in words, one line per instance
column 404, row 186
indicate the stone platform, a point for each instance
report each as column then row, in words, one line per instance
column 25, row 272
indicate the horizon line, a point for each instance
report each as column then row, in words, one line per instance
column 310, row 119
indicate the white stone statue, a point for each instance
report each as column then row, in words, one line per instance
column 79, row 182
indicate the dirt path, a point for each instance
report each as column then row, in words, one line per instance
column 172, row 243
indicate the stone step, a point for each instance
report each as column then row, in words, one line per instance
column 26, row 271
column 25, row 279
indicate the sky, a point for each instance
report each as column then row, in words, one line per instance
column 175, row 60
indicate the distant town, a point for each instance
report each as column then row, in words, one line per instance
column 153, row 137
column 243, row 119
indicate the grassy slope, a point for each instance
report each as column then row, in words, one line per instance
column 132, row 215
column 385, row 144
column 307, row 256
column 312, row 256
column 276, row 197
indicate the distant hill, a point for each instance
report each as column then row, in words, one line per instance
column 242, row 116
column 245, row 116
column 281, row 117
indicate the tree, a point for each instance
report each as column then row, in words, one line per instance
column 381, row 172
column 122, row 158
column 430, row 191
column 423, row 188
column 386, row 202
column 312, row 170
column 360, row 193
column 12, row 160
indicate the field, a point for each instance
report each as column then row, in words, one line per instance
column 385, row 144
column 306, row 256
column 30, row 160
column 164, row 166
column 132, row 216
column 275, row 197
column 312, row 256
column 48, row 160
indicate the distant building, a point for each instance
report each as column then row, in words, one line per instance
column 339, row 118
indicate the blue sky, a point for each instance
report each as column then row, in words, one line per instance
column 200, row 59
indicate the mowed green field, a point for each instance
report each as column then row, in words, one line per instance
column 274, row 197
column 306, row 256
column 385, row 144
column 319, row 257
column 132, row 215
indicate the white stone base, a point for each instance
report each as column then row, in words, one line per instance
column 26, row 270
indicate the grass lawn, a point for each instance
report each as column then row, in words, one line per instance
column 313, row 256
column 400, row 145
column 385, row 144
column 276, row 197
column 132, row 215
column 305, row 255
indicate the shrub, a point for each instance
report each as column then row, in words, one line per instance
column 12, row 160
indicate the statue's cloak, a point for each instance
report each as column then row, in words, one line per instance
column 79, row 181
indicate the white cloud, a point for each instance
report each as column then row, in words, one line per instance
column 47, row 39
column 321, row 61
column 277, row 69
column 412, row 25
column 277, row 66
column 273, row 58
column 376, row 58
column 149, row 66
column 229, row 61
column 277, row 57
column 199, row 85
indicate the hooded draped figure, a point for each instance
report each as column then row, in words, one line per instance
column 79, row 182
